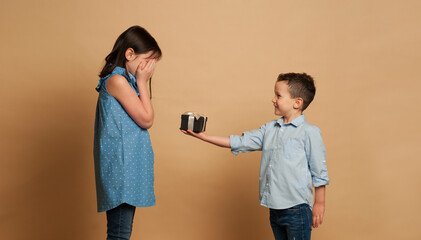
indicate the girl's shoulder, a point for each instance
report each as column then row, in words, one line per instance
column 116, row 80
column 118, row 72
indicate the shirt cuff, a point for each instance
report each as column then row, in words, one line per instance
column 318, row 182
column 235, row 143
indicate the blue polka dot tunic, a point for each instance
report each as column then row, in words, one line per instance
column 123, row 153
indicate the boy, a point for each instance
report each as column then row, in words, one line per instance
column 293, row 159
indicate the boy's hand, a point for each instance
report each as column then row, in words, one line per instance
column 318, row 213
column 201, row 135
column 218, row 141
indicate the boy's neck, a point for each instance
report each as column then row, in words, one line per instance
column 291, row 117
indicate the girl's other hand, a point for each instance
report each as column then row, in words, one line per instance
column 145, row 70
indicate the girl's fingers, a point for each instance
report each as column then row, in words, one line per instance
column 140, row 67
column 151, row 64
column 145, row 69
column 148, row 66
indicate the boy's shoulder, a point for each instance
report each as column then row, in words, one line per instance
column 310, row 126
column 309, row 129
column 299, row 123
column 310, row 132
column 269, row 125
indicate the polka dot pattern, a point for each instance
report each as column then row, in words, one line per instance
column 123, row 154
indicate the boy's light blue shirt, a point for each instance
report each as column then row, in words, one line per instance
column 293, row 159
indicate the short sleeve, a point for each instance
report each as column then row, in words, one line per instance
column 100, row 84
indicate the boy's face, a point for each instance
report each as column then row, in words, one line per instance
column 284, row 104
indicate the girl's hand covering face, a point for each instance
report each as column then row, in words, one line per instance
column 145, row 70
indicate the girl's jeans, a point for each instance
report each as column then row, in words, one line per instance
column 120, row 221
column 292, row 223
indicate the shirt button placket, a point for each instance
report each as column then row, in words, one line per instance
column 268, row 177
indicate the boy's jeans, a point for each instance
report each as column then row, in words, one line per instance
column 120, row 221
column 292, row 223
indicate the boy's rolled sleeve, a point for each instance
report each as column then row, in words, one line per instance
column 316, row 155
column 248, row 141
column 235, row 142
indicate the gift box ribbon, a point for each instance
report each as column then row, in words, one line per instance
column 192, row 116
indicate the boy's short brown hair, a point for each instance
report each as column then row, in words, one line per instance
column 301, row 85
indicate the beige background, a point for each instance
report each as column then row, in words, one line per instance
column 221, row 58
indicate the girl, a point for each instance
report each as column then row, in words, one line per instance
column 122, row 147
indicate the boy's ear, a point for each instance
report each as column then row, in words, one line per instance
column 298, row 103
column 129, row 54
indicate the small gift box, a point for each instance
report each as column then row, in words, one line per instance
column 193, row 121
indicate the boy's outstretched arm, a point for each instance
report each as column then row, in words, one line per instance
column 319, row 206
column 217, row 140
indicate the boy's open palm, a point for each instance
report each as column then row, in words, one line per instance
column 217, row 140
column 201, row 135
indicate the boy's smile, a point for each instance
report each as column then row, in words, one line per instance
column 284, row 104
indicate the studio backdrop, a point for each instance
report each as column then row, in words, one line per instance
column 221, row 59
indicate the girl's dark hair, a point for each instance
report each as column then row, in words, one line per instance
column 135, row 37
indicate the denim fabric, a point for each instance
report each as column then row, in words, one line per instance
column 120, row 222
column 292, row 223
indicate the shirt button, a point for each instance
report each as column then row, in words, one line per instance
column 267, row 184
column 270, row 165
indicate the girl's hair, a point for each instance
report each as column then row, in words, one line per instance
column 135, row 37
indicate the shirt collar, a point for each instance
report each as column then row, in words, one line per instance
column 296, row 122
